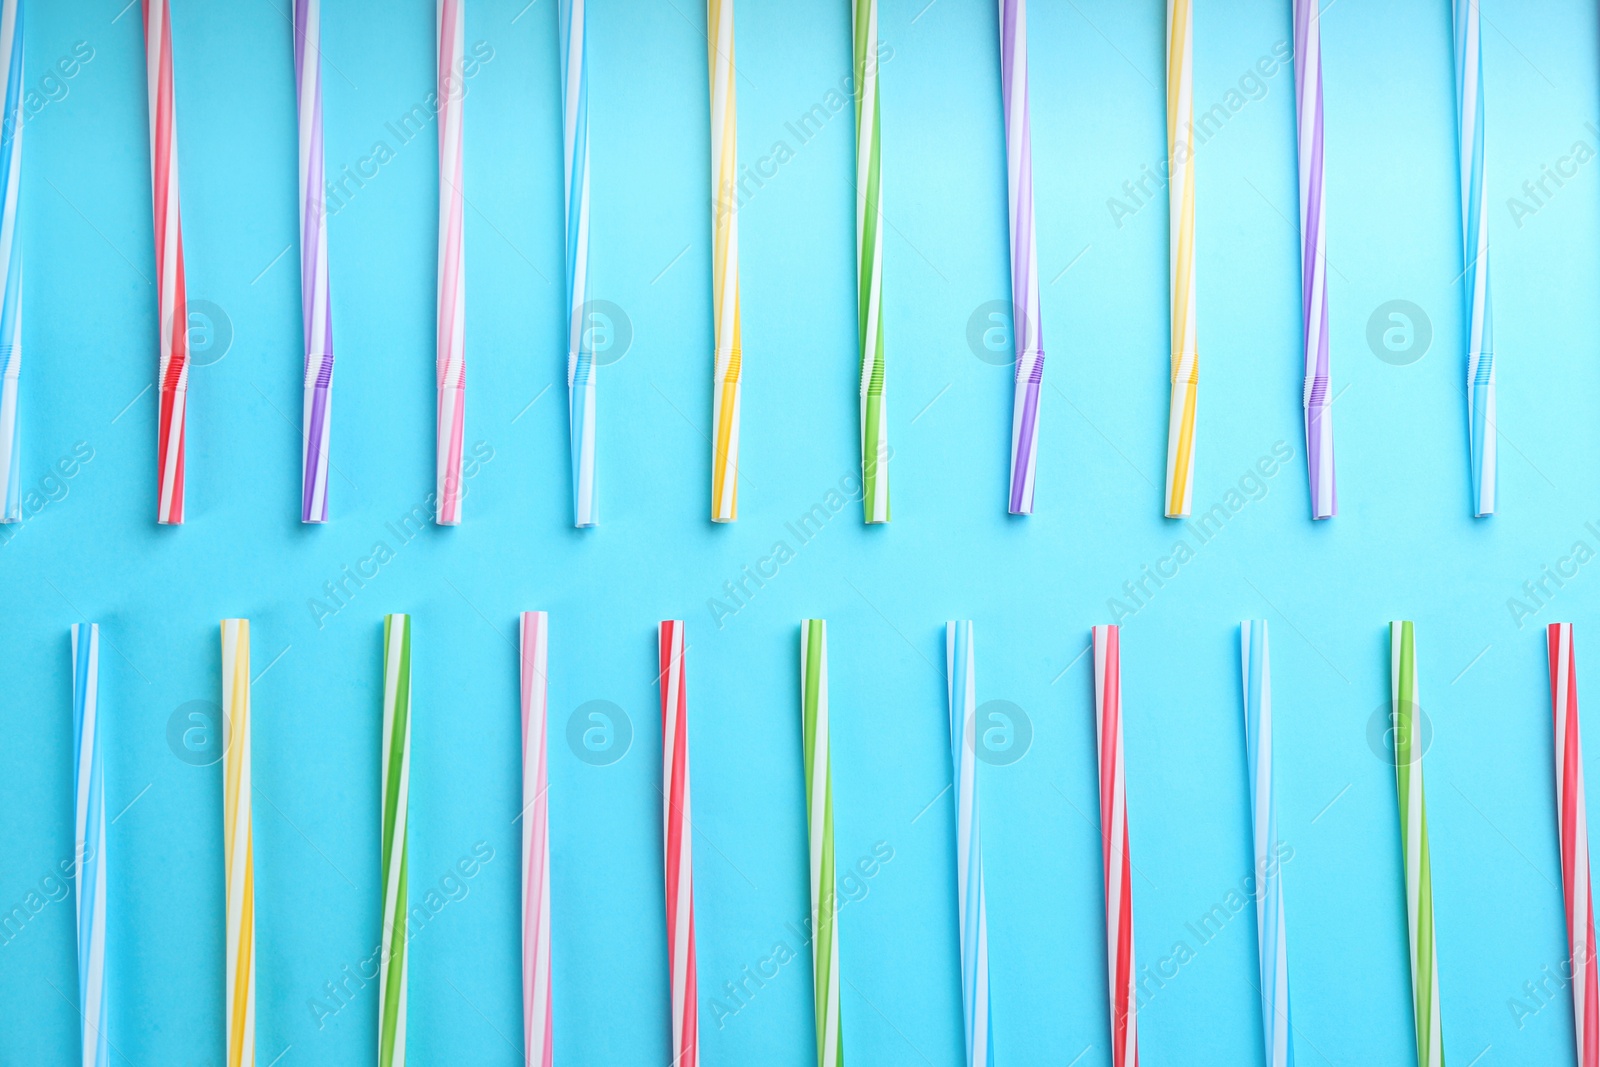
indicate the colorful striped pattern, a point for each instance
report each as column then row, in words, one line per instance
column 1314, row 258
column 11, row 46
column 580, row 352
column 89, row 819
column 972, row 903
column 1572, row 821
column 537, row 1004
column 819, row 829
column 452, row 344
column 1027, row 325
column 677, row 842
column 396, row 800
column 1114, row 842
column 1271, row 933
column 1475, row 253
column 1180, row 199
column 724, row 263
column 173, row 387
column 1407, row 727
column 238, row 845
column 315, row 305
column 875, row 450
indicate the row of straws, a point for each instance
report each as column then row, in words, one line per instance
column 1027, row 336
column 1124, row 980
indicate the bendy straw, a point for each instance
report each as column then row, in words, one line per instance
column 819, row 827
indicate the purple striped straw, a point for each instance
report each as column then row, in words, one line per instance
column 1027, row 331
column 318, row 417
column 1314, row 258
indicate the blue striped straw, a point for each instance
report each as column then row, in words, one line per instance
column 960, row 669
column 580, row 349
column 89, row 818
column 1271, row 935
column 11, row 267
column 1475, row 253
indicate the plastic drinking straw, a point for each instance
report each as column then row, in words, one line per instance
column 1475, row 252
column 819, row 829
column 1027, row 325
column 537, row 1012
column 580, row 352
column 1573, row 823
column 1180, row 200
column 1314, row 258
column 724, row 264
column 1408, row 749
column 89, row 818
column 869, row 277
column 396, row 798
column 1114, row 842
column 452, row 351
column 315, row 306
column 961, row 671
column 173, row 388
column 238, row 844
column 1271, row 932
column 11, row 45
column 677, row 842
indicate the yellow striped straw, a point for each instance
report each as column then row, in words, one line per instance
column 724, row 264
column 236, row 835
column 1180, row 198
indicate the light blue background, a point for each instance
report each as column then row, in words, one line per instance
column 1403, row 545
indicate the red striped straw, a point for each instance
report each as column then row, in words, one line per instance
column 1574, row 830
column 173, row 386
column 536, row 999
column 1114, row 840
column 677, row 830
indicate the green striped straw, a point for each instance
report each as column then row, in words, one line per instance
column 819, row 825
column 396, row 790
column 1407, row 726
column 869, row 278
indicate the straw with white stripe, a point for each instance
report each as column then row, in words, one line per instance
column 819, row 828
column 1406, row 722
column 11, row 46
column 1180, row 199
column 1027, row 328
column 315, row 307
column 1317, row 403
column 729, row 359
column 580, row 351
column 961, row 673
column 452, row 340
column 1271, row 935
column 172, row 390
column 538, row 1017
column 1572, row 821
column 1475, row 252
column 1114, row 845
column 677, row 841
column 238, row 846
column 875, row 450
column 89, row 818
column 394, row 970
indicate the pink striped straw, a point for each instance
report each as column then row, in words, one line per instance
column 536, row 998
column 452, row 350
column 173, row 387
column 1573, row 823
column 677, row 834
column 1114, row 842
